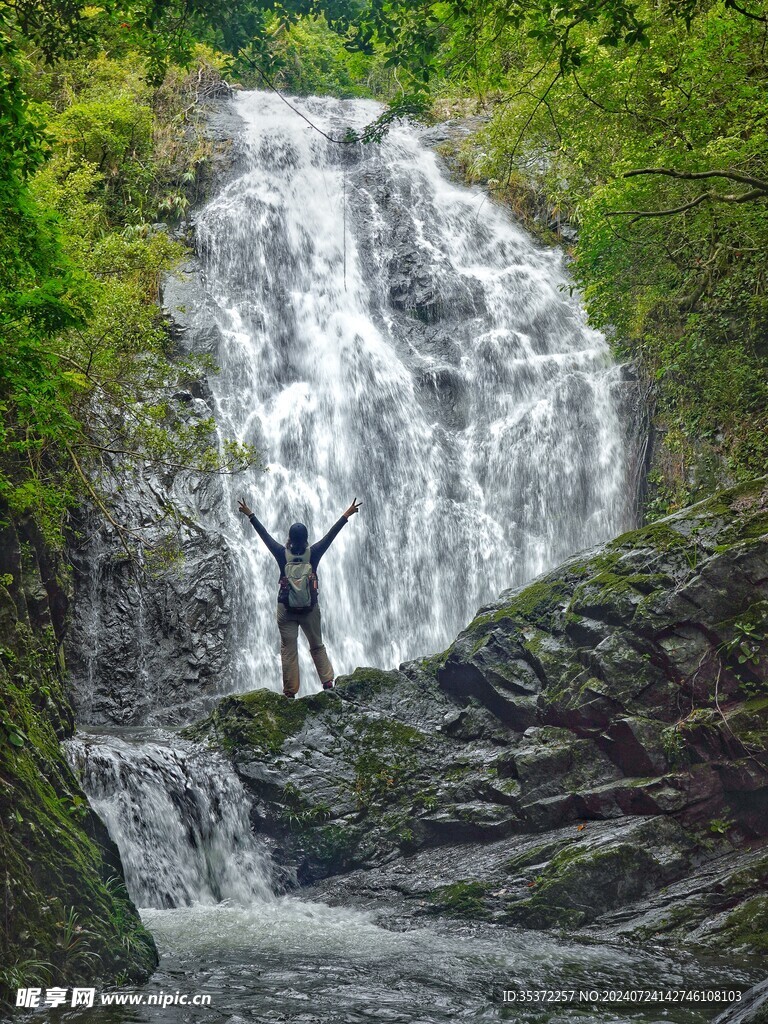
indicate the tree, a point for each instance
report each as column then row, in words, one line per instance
column 86, row 364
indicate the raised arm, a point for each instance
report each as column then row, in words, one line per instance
column 319, row 549
column 274, row 546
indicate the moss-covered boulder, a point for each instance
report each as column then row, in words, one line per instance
column 345, row 777
column 67, row 916
column 654, row 651
column 586, row 745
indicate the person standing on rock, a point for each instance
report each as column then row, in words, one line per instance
column 297, row 595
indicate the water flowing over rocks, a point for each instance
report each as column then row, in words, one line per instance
column 191, row 842
column 589, row 753
column 380, row 332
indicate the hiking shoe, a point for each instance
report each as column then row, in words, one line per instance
column 328, row 685
column 290, row 696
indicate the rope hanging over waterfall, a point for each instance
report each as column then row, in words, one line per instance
column 407, row 106
column 352, row 138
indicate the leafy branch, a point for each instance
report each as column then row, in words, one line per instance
column 758, row 191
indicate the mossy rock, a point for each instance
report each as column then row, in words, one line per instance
column 68, row 916
column 585, row 879
column 746, row 927
column 461, row 899
column 364, row 683
column 260, row 721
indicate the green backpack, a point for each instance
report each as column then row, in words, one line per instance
column 298, row 586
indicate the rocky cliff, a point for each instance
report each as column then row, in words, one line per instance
column 66, row 916
column 589, row 753
column 150, row 643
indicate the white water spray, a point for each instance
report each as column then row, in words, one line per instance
column 390, row 335
column 179, row 816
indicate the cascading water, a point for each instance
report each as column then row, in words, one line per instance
column 179, row 817
column 389, row 335
column 386, row 335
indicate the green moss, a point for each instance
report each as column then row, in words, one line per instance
column 538, row 601
column 387, row 759
column 536, row 855
column 611, row 584
column 738, row 514
column 366, row 682
column 701, row 718
column 480, row 643
column 660, row 535
column 433, row 665
column 458, row 770
column 260, row 721
column 753, row 878
column 755, row 706
column 462, row 899
column 68, row 916
column 746, row 930
column 534, row 603
column 749, row 722
column 756, row 529
column 577, row 884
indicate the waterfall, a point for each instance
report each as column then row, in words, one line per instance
column 179, row 816
column 381, row 333
column 389, row 335
column 385, row 334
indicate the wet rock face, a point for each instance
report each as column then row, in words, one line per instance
column 148, row 645
column 752, row 1009
column 591, row 751
column 60, row 866
column 148, row 638
column 147, row 642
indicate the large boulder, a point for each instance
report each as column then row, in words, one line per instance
column 589, row 745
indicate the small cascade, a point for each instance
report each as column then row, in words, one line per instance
column 178, row 815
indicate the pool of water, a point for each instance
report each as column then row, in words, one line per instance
column 287, row 960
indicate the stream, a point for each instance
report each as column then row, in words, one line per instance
column 204, row 886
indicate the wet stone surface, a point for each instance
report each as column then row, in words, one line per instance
column 588, row 753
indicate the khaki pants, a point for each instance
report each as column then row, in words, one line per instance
column 288, row 623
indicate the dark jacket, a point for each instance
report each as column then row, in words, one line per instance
column 316, row 551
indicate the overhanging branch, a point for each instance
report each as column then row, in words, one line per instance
column 718, row 197
column 746, row 179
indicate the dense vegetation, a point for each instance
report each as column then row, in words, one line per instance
column 644, row 126
column 99, row 153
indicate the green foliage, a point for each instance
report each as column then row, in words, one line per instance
column 87, row 369
column 747, row 649
column 26, row 972
column 658, row 154
column 746, row 643
column 673, row 743
column 10, row 733
column 721, row 826
column 307, row 57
